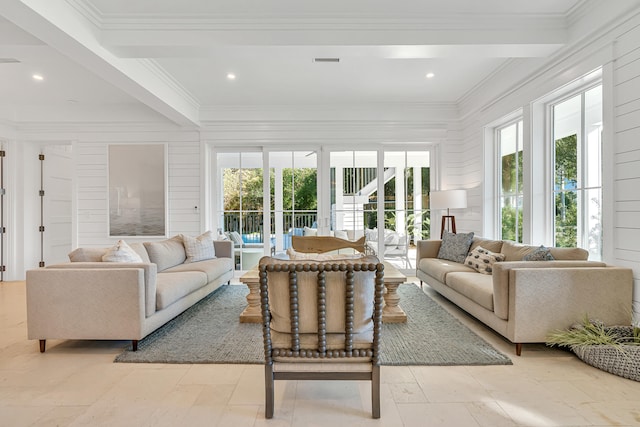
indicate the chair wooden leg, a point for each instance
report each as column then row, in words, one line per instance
column 375, row 392
column 268, row 391
column 134, row 345
column 43, row 345
column 518, row 348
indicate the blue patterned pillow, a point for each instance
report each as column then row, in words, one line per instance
column 539, row 254
column 455, row 247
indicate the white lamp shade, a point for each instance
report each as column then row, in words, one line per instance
column 448, row 199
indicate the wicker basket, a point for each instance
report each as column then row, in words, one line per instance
column 624, row 361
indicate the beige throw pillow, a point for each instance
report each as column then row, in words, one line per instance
column 199, row 248
column 482, row 260
column 121, row 252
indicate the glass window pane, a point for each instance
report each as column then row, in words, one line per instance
column 566, row 223
column 511, row 184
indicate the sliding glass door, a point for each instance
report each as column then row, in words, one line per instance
column 293, row 196
column 240, row 202
column 377, row 195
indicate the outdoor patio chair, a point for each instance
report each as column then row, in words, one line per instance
column 321, row 321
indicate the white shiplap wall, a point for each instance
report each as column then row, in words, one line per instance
column 621, row 48
column 92, row 193
column 626, row 98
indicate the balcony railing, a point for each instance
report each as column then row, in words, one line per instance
column 251, row 223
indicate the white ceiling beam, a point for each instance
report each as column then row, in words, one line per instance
column 204, row 42
column 62, row 28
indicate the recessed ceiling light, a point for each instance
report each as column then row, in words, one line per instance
column 37, row 77
column 430, row 75
column 231, row 76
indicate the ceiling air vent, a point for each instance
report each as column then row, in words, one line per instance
column 326, row 59
column 8, row 61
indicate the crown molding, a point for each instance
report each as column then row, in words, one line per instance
column 242, row 22
column 397, row 112
column 156, row 69
column 88, row 10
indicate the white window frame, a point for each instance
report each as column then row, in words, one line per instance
column 580, row 90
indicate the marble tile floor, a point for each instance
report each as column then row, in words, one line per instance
column 76, row 383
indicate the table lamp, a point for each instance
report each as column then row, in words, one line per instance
column 448, row 199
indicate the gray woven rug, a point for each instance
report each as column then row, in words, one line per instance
column 209, row 332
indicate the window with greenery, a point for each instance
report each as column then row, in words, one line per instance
column 577, row 129
column 294, row 195
column 510, row 181
column 242, row 195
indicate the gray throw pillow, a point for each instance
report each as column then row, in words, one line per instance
column 539, row 254
column 455, row 247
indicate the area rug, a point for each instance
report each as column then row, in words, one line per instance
column 209, row 332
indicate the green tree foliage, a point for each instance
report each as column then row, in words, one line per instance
column 566, row 199
column 300, row 188
column 509, row 224
column 299, row 185
column 512, row 189
column 247, row 180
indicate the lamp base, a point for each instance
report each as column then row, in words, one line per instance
column 448, row 219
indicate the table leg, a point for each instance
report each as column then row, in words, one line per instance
column 392, row 312
column 253, row 312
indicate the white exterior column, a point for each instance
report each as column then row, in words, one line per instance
column 417, row 204
column 278, row 204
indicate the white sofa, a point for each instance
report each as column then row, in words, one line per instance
column 525, row 300
column 90, row 299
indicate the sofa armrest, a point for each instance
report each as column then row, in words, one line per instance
column 150, row 272
column 501, row 272
column 223, row 248
column 85, row 303
column 427, row 249
column 547, row 299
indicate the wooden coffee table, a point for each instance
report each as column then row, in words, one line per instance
column 391, row 312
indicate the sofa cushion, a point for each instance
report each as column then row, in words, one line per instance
column 514, row 251
column 198, row 248
column 166, row 253
column 569, row 254
column 236, row 238
column 213, row 268
column 308, row 231
column 477, row 287
column 455, row 247
column 341, row 234
column 439, row 268
column 540, row 254
column 173, row 286
column 87, row 254
column 140, row 250
column 121, row 252
column 482, row 260
column 490, row 245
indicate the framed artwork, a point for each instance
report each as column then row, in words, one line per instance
column 137, row 190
